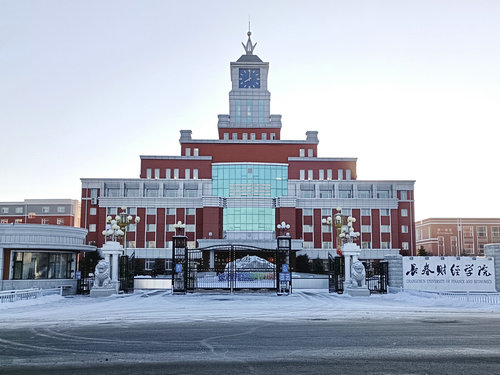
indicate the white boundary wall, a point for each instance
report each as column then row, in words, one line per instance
column 471, row 274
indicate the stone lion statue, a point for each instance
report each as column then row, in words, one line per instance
column 101, row 275
column 358, row 274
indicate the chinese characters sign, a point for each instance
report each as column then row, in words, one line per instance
column 449, row 274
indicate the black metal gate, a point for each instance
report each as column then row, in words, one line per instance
column 335, row 274
column 126, row 273
column 232, row 267
column 376, row 275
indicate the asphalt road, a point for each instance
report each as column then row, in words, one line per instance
column 414, row 345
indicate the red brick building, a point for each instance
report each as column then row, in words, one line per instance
column 237, row 187
column 41, row 211
column 457, row 236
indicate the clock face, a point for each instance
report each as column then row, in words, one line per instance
column 249, row 78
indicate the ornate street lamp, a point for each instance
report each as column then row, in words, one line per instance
column 345, row 230
column 179, row 226
column 283, row 227
column 118, row 225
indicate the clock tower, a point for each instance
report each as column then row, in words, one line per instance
column 249, row 99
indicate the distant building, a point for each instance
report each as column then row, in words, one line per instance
column 236, row 188
column 41, row 211
column 457, row 236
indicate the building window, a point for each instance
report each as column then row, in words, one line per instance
column 404, row 195
column 18, row 221
column 310, row 152
column 196, row 152
column 176, row 173
column 325, row 193
column 131, row 244
column 404, row 228
column 151, row 244
column 45, row 210
column 190, row 228
column 252, row 136
column 329, row 174
column 326, row 245
column 132, row 210
column 404, row 212
column 321, row 175
column 495, row 231
column 302, row 174
column 302, row 152
column 171, row 211
column 384, row 212
column 131, row 227
column 307, row 211
column 310, row 174
column 4, row 221
column 481, row 232
column 168, row 264
column 245, row 136
column 235, row 136
column 195, row 174
column 43, row 265
column 190, row 211
column 347, row 174
column 187, row 173
column 340, row 174
column 149, row 264
column 385, row 245
column 19, row 210
column 366, row 228
column 111, row 211
column 264, row 136
column 167, row 174
column 326, row 228
column 151, row 211
column 148, row 173
column 347, row 211
column 405, row 246
column 308, row 245
column 45, row 221
column 157, row 173
column 5, row 210
column 306, row 194
column 150, row 227
column 364, row 193
column 93, row 211
column 345, row 193
column 385, row 229
column 188, row 151
column 383, row 194
column 226, row 136
column 366, row 245
column 365, row 212
column 273, row 136
column 92, row 227
column 60, row 221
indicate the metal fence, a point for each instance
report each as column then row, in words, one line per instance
column 474, row 297
column 25, row 294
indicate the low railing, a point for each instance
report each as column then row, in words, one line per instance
column 25, row 294
column 474, row 297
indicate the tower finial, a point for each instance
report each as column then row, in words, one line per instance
column 249, row 47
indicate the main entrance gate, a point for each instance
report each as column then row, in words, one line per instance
column 230, row 267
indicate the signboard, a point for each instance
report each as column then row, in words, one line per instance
column 78, row 275
column 284, row 276
column 284, row 267
column 472, row 274
column 178, row 268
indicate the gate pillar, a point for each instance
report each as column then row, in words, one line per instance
column 283, row 270
column 179, row 264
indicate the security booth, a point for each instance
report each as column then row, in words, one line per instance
column 179, row 264
column 283, row 269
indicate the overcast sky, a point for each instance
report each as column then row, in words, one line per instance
column 410, row 88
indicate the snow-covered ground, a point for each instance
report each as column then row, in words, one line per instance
column 163, row 306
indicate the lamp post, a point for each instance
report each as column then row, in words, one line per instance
column 282, row 228
column 118, row 226
column 179, row 226
column 344, row 226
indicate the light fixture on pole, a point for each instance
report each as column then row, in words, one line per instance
column 283, row 227
column 178, row 227
column 117, row 226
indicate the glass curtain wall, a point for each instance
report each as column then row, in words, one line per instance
column 249, row 180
